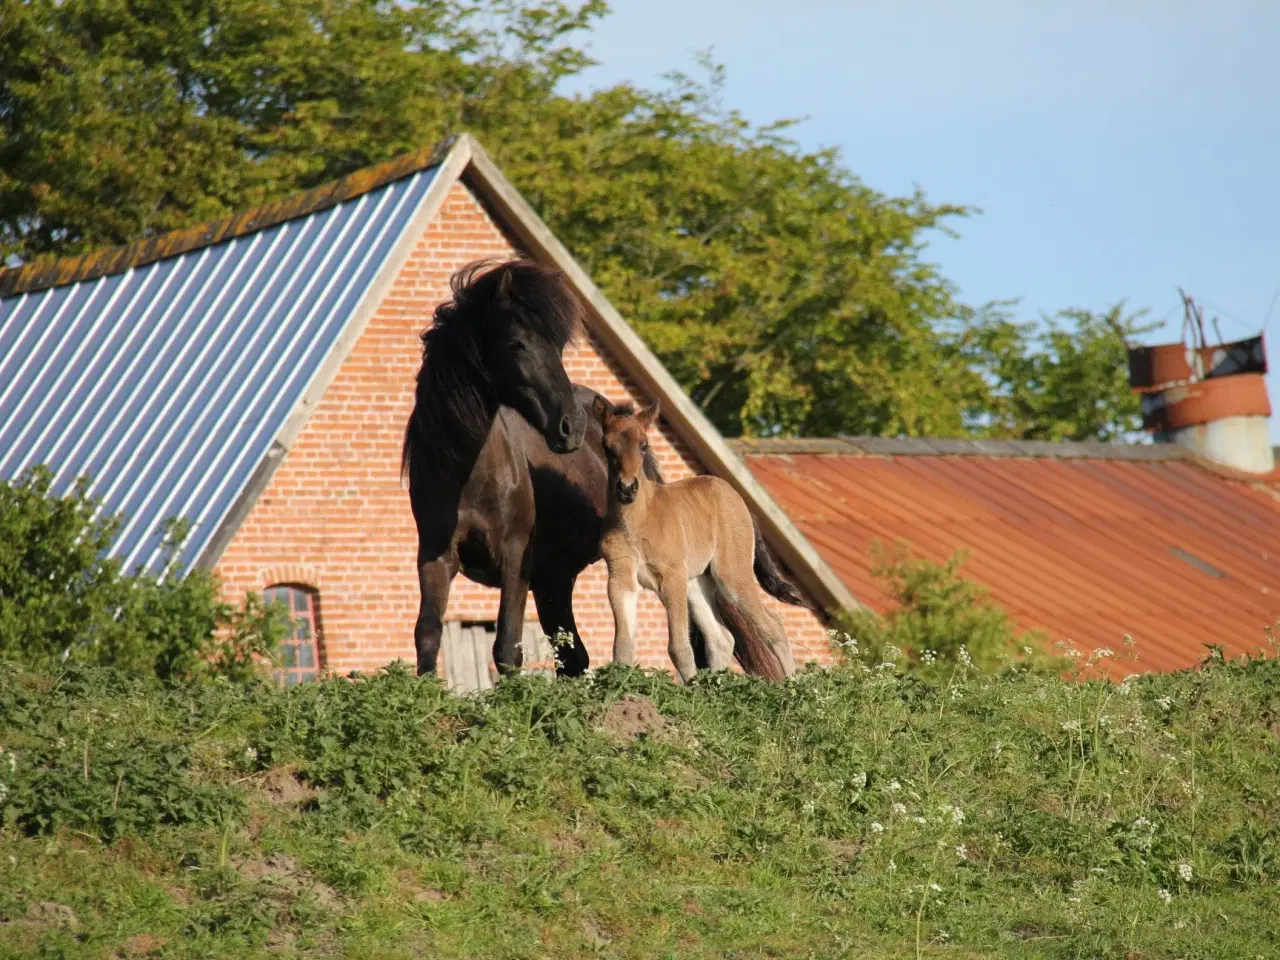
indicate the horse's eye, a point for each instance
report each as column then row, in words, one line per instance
column 516, row 346
column 644, row 446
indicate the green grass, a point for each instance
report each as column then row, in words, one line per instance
column 855, row 812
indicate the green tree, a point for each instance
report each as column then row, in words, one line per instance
column 784, row 294
column 1064, row 379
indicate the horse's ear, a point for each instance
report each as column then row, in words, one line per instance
column 602, row 410
column 649, row 414
column 504, row 285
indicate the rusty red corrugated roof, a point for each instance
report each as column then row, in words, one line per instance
column 1088, row 542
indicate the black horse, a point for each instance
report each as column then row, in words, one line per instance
column 507, row 475
column 502, row 486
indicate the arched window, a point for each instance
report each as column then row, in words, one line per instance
column 299, row 659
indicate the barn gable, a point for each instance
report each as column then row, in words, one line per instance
column 317, row 502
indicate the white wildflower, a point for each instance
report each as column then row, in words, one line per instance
column 935, row 888
column 250, row 754
column 859, row 780
column 892, row 652
column 1071, row 726
column 809, row 806
column 1165, row 895
column 899, row 809
column 877, row 827
column 997, row 748
column 964, row 656
column 928, row 658
column 1164, row 703
column 1185, row 872
column 1027, row 651
column 919, row 819
column 893, row 785
column 962, row 851
column 1101, row 654
column 956, row 813
column 4, row 792
column 892, row 866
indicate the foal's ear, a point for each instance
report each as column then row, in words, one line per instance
column 649, row 414
column 602, row 409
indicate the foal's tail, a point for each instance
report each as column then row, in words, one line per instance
column 770, row 576
column 750, row 646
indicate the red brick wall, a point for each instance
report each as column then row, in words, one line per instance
column 335, row 517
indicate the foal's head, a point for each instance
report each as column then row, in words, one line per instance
column 513, row 321
column 625, row 445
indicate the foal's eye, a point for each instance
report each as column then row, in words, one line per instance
column 644, row 446
column 516, row 346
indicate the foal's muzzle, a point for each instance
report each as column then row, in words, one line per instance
column 627, row 491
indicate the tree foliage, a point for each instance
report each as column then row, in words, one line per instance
column 1064, row 380
column 783, row 293
column 62, row 599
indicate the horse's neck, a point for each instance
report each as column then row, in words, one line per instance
column 453, row 436
column 631, row 520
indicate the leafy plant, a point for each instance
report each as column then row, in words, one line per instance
column 940, row 616
column 62, row 599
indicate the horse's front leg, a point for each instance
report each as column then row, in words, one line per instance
column 624, row 592
column 508, row 654
column 555, row 613
column 434, row 580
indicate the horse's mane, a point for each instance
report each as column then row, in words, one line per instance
column 454, row 396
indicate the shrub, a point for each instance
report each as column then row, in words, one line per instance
column 63, row 600
column 940, row 616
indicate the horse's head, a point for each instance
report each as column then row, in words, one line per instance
column 626, row 445
column 524, row 315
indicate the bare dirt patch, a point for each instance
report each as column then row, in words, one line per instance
column 142, row 945
column 284, row 874
column 634, row 717
column 283, row 787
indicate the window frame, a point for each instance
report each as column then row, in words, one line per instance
column 303, row 643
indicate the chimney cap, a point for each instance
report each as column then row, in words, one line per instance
column 1242, row 395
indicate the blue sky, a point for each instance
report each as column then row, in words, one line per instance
column 1117, row 150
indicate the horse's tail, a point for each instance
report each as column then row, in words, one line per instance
column 769, row 574
column 750, row 647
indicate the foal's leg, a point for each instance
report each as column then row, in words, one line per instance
column 434, row 580
column 719, row 640
column 674, row 591
column 555, row 613
column 624, row 591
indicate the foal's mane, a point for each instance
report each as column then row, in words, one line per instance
column 455, row 393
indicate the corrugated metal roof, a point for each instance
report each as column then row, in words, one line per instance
column 46, row 273
column 167, row 383
column 1088, row 548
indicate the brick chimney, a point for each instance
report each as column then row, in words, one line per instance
column 1210, row 399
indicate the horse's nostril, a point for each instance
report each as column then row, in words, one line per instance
column 566, row 428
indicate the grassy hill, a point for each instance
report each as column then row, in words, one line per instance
column 854, row 812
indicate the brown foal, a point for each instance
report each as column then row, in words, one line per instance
column 694, row 543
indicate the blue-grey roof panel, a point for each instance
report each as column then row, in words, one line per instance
column 168, row 383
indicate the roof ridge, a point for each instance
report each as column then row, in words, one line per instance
column 43, row 274
column 921, row 446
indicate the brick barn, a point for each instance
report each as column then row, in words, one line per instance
column 254, row 376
